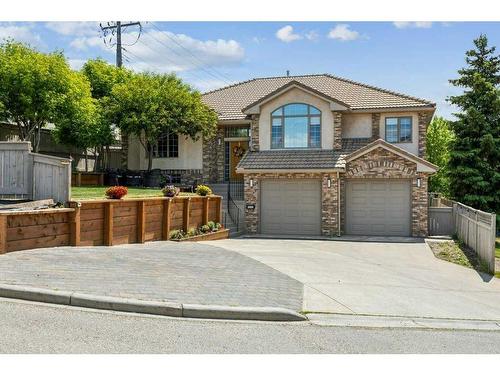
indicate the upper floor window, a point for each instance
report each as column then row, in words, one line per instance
column 167, row 146
column 398, row 129
column 296, row 125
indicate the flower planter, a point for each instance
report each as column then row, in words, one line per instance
column 219, row 235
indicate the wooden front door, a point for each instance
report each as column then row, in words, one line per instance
column 236, row 151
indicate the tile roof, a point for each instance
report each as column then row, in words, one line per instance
column 302, row 159
column 229, row 101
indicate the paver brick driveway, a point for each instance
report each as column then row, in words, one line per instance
column 177, row 272
column 400, row 279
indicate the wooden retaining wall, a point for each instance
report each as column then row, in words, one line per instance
column 105, row 222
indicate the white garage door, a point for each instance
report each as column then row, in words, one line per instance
column 290, row 207
column 378, row 207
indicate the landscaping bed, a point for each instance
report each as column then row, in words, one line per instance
column 219, row 235
column 98, row 192
column 458, row 253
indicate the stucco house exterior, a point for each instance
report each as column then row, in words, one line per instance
column 316, row 154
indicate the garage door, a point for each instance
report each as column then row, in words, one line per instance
column 290, row 207
column 378, row 207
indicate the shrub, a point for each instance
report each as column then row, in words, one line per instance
column 218, row 226
column 170, row 191
column 203, row 190
column 192, row 232
column 211, row 225
column 205, row 229
column 116, row 192
column 177, row 234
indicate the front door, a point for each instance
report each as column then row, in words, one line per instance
column 236, row 151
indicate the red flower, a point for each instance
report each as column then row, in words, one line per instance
column 116, row 192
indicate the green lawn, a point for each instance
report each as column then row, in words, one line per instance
column 497, row 247
column 97, row 192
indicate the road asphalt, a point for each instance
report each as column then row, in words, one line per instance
column 31, row 327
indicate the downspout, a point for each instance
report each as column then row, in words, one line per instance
column 338, row 204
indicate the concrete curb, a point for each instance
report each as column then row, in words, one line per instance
column 148, row 307
column 381, row 321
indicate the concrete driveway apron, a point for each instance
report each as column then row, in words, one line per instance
column 396, row 279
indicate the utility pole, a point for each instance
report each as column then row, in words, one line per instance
column 112, row 28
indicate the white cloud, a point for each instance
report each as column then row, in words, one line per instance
column 343, row 32
column 20, row 33
column 207, row 84
column 258, row 40
column 312, row 35
column 286, row 34
column 76, row 64
column 416, row 25
column 74, row 28
column 161, row 51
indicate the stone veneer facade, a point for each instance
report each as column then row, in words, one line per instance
column 424, row 118
column 337, row 130
column 213, row 157
column 329, row 199
column 254, row 133
column 381, row 163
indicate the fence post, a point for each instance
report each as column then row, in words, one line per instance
column 141, row 221
column 218, row 209
column 493, row 239
column 3, row 234
column 74, row 224
column 205, row 210
column 185, row 214
column 108, row 224
column 166, row 219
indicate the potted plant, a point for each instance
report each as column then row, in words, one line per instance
column 203, row 190
column 170, row 191
column 116, row 192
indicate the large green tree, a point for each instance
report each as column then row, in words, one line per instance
column 474, row 166
column 103, row 77
column 439, row 138
column 147, row 105
column 38, row 88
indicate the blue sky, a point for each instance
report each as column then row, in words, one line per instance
column 416, row 58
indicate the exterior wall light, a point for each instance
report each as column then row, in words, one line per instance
column 251, row 182
column 219, row 141
column 419, row 182
column 329, row 182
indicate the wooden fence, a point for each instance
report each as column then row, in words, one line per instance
column 477, row 229
column 105, row 222
column 27, row 175
column 87, row 178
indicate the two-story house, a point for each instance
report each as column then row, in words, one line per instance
column 318, row 154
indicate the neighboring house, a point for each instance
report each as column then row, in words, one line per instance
column 326, row 156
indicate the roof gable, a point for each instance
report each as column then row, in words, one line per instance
column 254, row 107
column 422, row 164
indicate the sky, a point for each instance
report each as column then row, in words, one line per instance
column 414, row 58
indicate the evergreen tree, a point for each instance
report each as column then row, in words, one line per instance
column 475, row 152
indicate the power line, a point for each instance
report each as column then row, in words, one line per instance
column 203, row 64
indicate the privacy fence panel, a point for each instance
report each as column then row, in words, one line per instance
column 477, row 229
column 51, row 178
column 26, row 175
column 440, row 221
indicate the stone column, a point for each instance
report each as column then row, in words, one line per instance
column 213, row 157
column 251, row 198
column 337, row 130
column 375, row 126
column 329, row 205
column 424, row 118
column 254, row 133
column 419, row 208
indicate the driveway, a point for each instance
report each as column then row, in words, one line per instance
column 187, row 273
column 397, row 279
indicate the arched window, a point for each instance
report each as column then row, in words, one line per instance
column 296, row 125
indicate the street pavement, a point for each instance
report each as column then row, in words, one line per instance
column 29, row 327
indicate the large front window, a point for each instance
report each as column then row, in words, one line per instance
column 167, row 146
column 296, row 126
